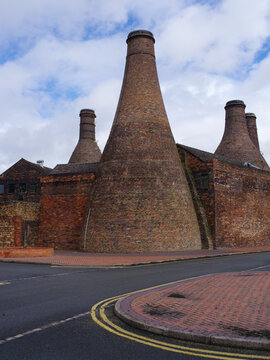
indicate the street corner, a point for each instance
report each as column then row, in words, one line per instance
column 229, row 309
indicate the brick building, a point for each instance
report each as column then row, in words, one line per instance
column 145, row 193
column 141, row 201
column 20, row 191
column 234, row 197
column 65, row 191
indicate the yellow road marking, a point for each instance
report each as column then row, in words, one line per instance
column 4, row 283
column 105, row 319
column 115, row 329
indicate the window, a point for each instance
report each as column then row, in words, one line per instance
column 11, row 188
column 32, row 188
column 22, row 188
column 204, row 181
column 2, row 188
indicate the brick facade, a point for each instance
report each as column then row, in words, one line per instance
column 19, row 223
column 236, row 199
column 202, row 173
column 63, row 207
column 21, row 182
column 242, row 205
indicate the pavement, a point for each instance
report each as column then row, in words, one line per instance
column 76, row 258
column 229, row 309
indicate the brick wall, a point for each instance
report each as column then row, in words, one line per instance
column 242, row 205
column 6, row 231
column 63, row 206
column 19, row 223
column 201, row 171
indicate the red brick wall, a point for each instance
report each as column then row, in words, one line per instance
column 207, row 198
column 242, row 206
column 63, row 207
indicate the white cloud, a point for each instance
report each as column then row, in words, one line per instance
column 64, row 55
column 217, row 39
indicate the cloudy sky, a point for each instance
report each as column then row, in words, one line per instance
column 57, row 57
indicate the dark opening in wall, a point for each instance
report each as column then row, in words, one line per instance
column 32, row 188
column 22, row 188
column 2, row 188
column 204, row 181
column 11, row 188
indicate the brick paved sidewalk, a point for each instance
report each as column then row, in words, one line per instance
column 228, row 309
column 75, row 258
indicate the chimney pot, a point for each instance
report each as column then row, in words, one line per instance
column 40, row 163
column 235, row 103
column 144, row 33
column 251, row 115
column 87, row 112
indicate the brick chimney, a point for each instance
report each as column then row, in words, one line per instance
column 87, row 150
column 252, row 129
column 141, row 200
column 236, row 143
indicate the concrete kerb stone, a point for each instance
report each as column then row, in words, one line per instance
column 138, row 263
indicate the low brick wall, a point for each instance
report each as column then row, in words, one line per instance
column 12, row 252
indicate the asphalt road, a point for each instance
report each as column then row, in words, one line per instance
column 44, row 311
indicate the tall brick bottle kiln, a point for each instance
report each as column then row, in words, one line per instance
column 236, row 142
column 252, row 129
column 140, row 200
column 86, row 150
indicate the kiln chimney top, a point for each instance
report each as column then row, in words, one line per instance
column 87, row 112
column 86, row 150
column 252, row 129
column 144, row 33
column 234, row 103
column 251, row 115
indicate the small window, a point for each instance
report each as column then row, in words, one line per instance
column 22, row 188
column 204, row 181
column 11, row 188
column 2, row 188
column 32, row 188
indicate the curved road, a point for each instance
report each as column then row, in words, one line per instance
column 45, row 311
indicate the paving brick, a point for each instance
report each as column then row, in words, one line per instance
column 235, row 306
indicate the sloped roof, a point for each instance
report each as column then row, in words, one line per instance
column 205, row 156
column 27, row 168
column 74, row 168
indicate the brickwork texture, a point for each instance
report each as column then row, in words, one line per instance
column 242, row 206
column 63, row 208
column 141, row 201
column 19, row 223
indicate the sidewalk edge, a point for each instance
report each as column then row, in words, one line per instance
column 246, row 343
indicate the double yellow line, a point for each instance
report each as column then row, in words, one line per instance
column 98, row 315
column 4, row 283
